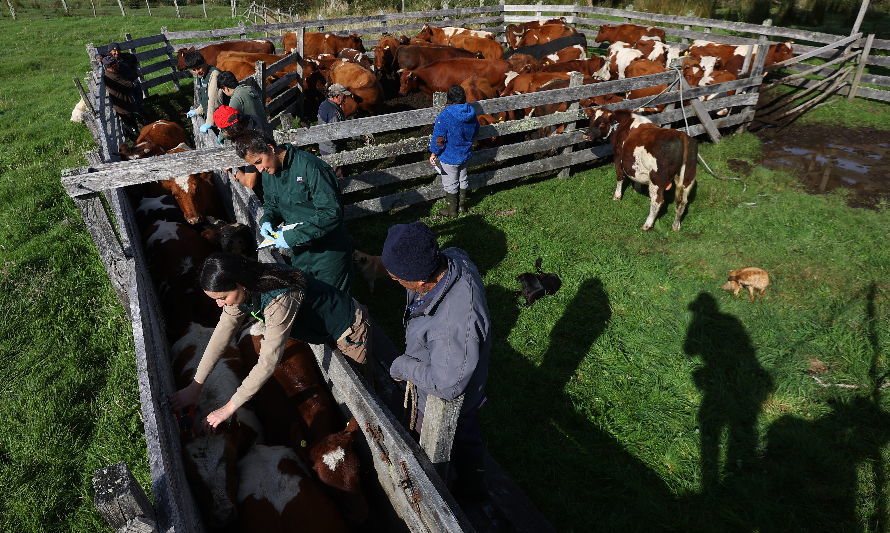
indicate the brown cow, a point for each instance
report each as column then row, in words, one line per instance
column 322, row 43
column 441, row 75
column 243, row 64
column 656, row 157
column 477, row 89
column 523, row 63
column 514, row 32
column 354, row 56
column 444, row 35
column 488, row 48
column 154, row 139
column 545, row 34
column 628, row 33
column 731, row 58
column 210, row 52
column 385, row 54
column 644, row 67
column 412, row 57
column 367, row 93
column 549, row 109
column 588, row 67
column 194, row 193
column 529, row 83
column 569, row 53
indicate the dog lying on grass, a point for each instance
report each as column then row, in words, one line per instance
column 751, row 278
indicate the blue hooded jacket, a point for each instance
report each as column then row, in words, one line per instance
column 453, row 132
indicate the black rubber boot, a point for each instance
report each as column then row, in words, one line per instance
column 462, row 200
column 450, row 209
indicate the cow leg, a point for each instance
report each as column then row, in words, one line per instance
column 682, row 199
column 751, row 292
column 619, row 175
column 656, row 199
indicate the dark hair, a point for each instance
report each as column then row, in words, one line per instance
column 194, row 60
column 456, row 95
column 223, row 272
column 114, row 46
column 226, row 79
column 253, row 141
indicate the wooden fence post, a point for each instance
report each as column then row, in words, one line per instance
column 863, row 60
column 538, row 13
column 121, row 5
column 204, row 6
column 259, row 75
column 300, row 44
column 233, row 8
column 862, row 9
column 12, row 8
column 93, row 5
column 576, row 79
column 437, row 432
column 121, row 501
column 65, row 7
column 147, row 6
column 241, row 26
column 176, row 5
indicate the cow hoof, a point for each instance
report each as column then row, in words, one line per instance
column 616, row 197
column 646, row 228
column 676, row 227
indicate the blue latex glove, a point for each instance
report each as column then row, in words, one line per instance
column 266, row 230
column 280, row 242
column 191, row 113
column 205, row 128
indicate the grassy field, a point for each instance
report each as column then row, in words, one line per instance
column 601, row 395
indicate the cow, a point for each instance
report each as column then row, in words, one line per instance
column 523, row 63
column 276, row 495
column 322, row 43
column 628, row 33
column 488, row 48
column 444, row 35
column 194, row 193
column 549, row 109
column 477, row 89
column 441, row 75
column 513, row 32
column 540, row 51
column 385, row 54
column 529, row 83
column 656, row 157
column 731, row 58
column 210, row 52
column 243, row 64
column 154, row 139
column 367, row 93
column 153, row 208
column 645, row 67
column 655, row 50
column 545, row 34
column 354, row 56
column 621, row 54
column 413, row 57
column 588, row 67
column 570, row 53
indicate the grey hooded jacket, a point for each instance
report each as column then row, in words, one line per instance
column 448, row 338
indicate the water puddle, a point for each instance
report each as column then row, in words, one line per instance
column 825, row 158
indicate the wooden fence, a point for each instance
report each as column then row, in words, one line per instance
column 418, row 496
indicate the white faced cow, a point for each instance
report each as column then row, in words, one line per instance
column 656, row 157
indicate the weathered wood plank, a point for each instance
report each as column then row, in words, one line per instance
column 873, row 94
column 437, row 433
column 702, row 114
column 118, row 497
column 160, row 80
column 154, row 67
column 132, row 44
column 147, row 55
column 832, row 46
column 812, row 70
column 281, row 83
column 418, row 494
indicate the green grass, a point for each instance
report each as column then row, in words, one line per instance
column 594, row 399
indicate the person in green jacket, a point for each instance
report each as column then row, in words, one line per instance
column 209, row 95
column 290, row 303
column 303, row 211
column 245, row 98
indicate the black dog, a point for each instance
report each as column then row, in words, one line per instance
column 537, row 285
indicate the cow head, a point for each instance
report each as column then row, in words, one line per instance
column 140, row 150
column 600, row 126
column 425, row 33
column 180, row 57
column 355, row 41
column 513, row 34
column 779, row 52
column 385, row 52
column 408, row 82
column 194, row 195
column 606, row 33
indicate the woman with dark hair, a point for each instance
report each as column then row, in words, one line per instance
column 290, row 302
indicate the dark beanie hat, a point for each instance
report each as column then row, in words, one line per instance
column 411, row 252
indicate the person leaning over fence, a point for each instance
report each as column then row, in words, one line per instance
column 245, row 98
column 303, row 211
column 125, row 96
column 232, row 124
column 451, row 145
column 447, row 338
column 291, row 304
column 329, row 112
column 209, row 95
column 129, row 62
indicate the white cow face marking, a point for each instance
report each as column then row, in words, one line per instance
column 263, row 479
column 333, row 458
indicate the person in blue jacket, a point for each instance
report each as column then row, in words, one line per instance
column 447, row 338
column 451, row 146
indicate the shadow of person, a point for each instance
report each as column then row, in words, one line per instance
column 572, row 468
column 734, row 387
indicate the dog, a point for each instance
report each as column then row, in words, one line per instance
column 370, row 266
column 534, row 286
column 751, row 278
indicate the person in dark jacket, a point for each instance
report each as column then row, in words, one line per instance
column 329, row 112
column 291, row 304
column 245, row 98
column 447, row 337
column 209, row 95
column 303, row 211
column 129, row 62
column 451, row 146
column 125, row 96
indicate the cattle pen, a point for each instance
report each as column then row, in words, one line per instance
column 409, row 476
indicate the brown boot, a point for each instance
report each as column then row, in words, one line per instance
column 450, row 209
column 462, row 200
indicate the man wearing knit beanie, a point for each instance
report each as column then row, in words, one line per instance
column 447, row 338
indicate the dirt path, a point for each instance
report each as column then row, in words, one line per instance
column 825, row 158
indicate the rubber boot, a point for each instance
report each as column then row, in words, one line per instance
column 450, row 209
column 462, row 201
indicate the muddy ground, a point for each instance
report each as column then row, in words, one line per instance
column 825, row 158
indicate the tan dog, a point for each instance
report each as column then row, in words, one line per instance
column 752, row 278
column 370, row 266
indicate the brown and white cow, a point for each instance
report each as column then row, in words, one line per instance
column 488, row 48
column 570, row 53
column 628, row 33
column 588, row 67
column 316, row 43
column 545, row 34
column 441, row 75
column 513, row 33
column 413, row 56
column 210, row 52
column 194, row 193
column 359, row 58
column 731, row 58
column 621, row 54
column 656, row 157
column 154, row 139
column 645, row 67
column 444, row 35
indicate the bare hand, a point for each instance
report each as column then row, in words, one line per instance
column 219, row 416
column 433, row 159
column 186, row 397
